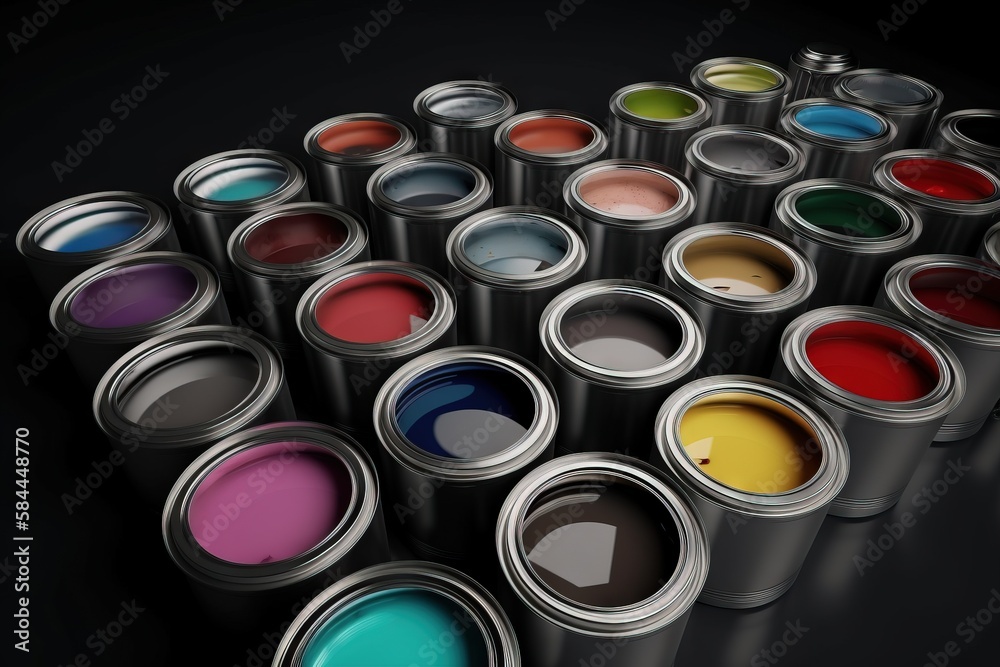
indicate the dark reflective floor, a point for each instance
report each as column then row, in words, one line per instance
column 248, row 72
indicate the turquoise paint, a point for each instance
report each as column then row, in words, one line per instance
column 397, row 628
column 249, row 188
column 838, row 122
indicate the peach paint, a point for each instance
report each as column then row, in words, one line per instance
column 629, row 192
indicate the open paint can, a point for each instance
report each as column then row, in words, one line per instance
column 910, row 103
column 742, row 91
column 990, row 249
column 973, row 133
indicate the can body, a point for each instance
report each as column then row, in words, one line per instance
column 109, row 309
column 653, row 121
column 910, row 103
column 887, row 429
column 173, row 396
column 815, row 66
column 839, row 140
column 569, row 624
column 219, row 192
column 614, row 350
column 743, row 304
column 853, row 233
column 507, row 260
column 348, row 365
column 990, row 249
column 462, row 116
column 628, row 209
column 957, row 198
column 969, row 323
column 970, row 133
column 242, row 581
column 538, row 150
column 761, row 522
column 347, row 150
column 738, row 170
column 280, row 252
column 71, row 236
column 417, row 200
column 742, row 91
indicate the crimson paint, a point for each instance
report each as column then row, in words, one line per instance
column 374, row 308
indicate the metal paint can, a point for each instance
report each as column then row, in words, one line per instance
column 973, row 133
column 910, row 103
column 815, row 66
column 742, row 91
column 990, row 249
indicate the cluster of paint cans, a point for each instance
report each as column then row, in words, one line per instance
column 557, row 360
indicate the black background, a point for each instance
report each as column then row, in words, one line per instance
column 226, row 76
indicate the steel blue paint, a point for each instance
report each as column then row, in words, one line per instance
column 87, row 228
column 838, row 122
column 429, row 184
column 516, row 245
column 446, row 406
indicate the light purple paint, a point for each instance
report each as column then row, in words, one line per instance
column 134, row 295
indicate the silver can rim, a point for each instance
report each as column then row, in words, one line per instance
column 695, row 156
column 159, row 349
column 818, row 62
column 990, row 250
column 681, row 362
column 787, row 214
column 158, row 226
column 678, row 213
column 407, row 141
column 701, row 115
column 815, row 495
column 945, row 397
column 437, row 325
column 353, row 245
column 462, row 590
column 597, row 146
column 701, row 82
column 790, row 125
column 208, row 292
column 481, row 192
column 841, row 90
column 666, row 606
column 883, row 178
column 294, row 183
column 206, row 568
column 532, row 445
column 896, row 288
column 947, row 129
column 506, row 110
column 797, row 292
column 571, row 264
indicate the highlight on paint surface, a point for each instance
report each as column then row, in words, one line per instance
column 943, row 179
column 628, row 192
column 465, row 102
column 376, row 307
column 359, row 138
column 601, row 544
column 839, row 122
column 465, row 410
column 741, row 77
column 660, row 104
column 518, row 244
column 239, row 179
column 429, row 183
column 635, row 334
column 392, row 627
column 848, row 213
column 738, row 265
column 295, row 238
column 134, row 295
column 288, row 498
column 200, row 387
column 750, row 443
column 745, row 152
column 962, row 294
column 550, row 136
column 91, row 226
column 872, row 360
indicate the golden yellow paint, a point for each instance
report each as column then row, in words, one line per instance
column 738, row 265
column 750, row 443
column 741, row 78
